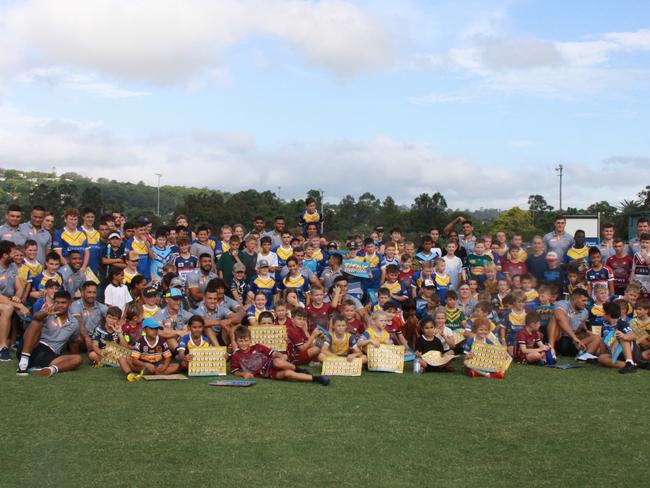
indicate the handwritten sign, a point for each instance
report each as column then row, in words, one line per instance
column 272, row 336
column 340, row 366
column 360, row 269
column 387, row 358
column 436, row 358
column 489, row 358
column 112, row 352
column 639, row 330
column 207, row 361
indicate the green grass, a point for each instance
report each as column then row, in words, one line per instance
column 538, row 427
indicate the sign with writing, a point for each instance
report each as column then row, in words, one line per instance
column 613, row 344
column 489, row 358
column 207, row 361
column 272, row 336
column 360, row 269
column 112, row 352
column 341, row 366
column 639, row 330
column 386, row 358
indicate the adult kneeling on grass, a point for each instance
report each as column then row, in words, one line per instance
column 45, row 338
column 567, row 329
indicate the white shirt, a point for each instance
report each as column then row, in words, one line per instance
column 117, row 296
column 453, row 267
column 271, row 257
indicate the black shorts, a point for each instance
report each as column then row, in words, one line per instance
column 42, row 356
column 566, row 347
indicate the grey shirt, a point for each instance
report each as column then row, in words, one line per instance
column 305, row 272
column 177, row 323
column 276, row 239
column 72, row 280
column 41, row 236
column 90, row 316
column 13, row 235
column 558, row 244
column 56, row 337
column 8, row 279
column 576, row 317
column 467, row 244
column 223, row 310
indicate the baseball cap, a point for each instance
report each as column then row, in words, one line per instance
column 429, row 284
column 149, row 292
column 174, row 293
column 352, row 245
column 151, row 323
column 551, row 256
column 379, row 228
column 176, row 283
column 332, row 245
column 142, row 221
column 114, row 235
column 262, row 263
column 238, row 267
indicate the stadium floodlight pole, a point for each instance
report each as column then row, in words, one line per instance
column 159, row 175
column 560, row 170
column 322, row 211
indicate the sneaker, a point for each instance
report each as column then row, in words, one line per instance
column 628, row 368
column 323, row 380
column 5, row 355
column 131, row 377
column 499, row 375
column 44, row 372
column 21, row 371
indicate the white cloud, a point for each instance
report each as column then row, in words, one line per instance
column 545, row 67
column 87, row 83
column 168, row 42
column 233, row 162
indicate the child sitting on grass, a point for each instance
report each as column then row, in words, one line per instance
column 624, row 337
column 109, row 331
column 193, row 340
column 150, row 354
column 252, row 360
column 515, row 320
column 481, row 330
column 428, row 341
column 642, row 322
column 529, row 347
column 375, row 335
column 301, row 345
column 339, row 342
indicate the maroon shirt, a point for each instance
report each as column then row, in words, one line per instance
column 514, row 269
column 621, row 268
column 318, row 316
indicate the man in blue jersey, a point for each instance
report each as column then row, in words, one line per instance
column 70, row 238
column 162, row 253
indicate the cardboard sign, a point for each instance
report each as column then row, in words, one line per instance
column 340, row 366
column 387, row 358
column 459, row 336
column 164, row 377
column 436, row 358
column 489, row 358
column 360, row 269
column 207, row 361
column 235, row 383
column 112, row 352
column 272, row 336
column 639, row 330
column 613, row 344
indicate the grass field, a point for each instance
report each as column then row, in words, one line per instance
column 538, row 427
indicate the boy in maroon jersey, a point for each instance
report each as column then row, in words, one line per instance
column 252, row 360
column 318, row 312
column 621, row 265
column 301, row 345
column 529, row 348
column 355, row 326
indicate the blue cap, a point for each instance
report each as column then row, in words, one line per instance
column 150, row 323
column 174, row 293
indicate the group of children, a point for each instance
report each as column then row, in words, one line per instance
column 163, row 295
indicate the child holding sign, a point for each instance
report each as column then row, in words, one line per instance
column 481, row 330
column 191, row 341
column 623, row 337
column 376, row 334
column 340, row 342
column 252, row 360
column 109, row 331
column 428, row 341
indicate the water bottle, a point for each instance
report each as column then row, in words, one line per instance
column 417, row 367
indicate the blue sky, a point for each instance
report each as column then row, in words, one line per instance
column 478, row 100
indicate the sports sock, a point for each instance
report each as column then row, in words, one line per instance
column 24, row 360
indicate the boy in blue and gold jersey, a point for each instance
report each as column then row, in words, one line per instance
column 310, row 215
column 140, row 244
column 93, row 240
column 70, row 238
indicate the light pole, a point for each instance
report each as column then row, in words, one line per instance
column 322, row 211
column 159, row 175
column 560, row 170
